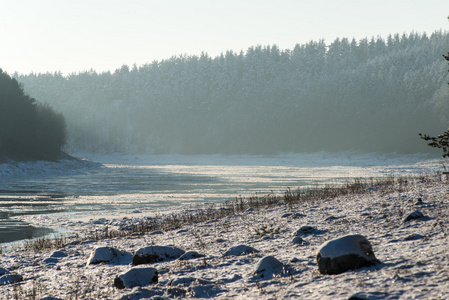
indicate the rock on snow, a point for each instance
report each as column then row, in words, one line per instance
column 345, row 253
column 108, row 255
column 136, row 277
column 267, row 268
column 240, row 250
column 154, row 254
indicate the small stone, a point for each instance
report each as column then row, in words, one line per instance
column 240, row 250
column 50, row 298
column 345, row 253
column 176, row 292
column 306, row 229
column 183, row 281
column 59, row 254
column 190, row 255
column 369, row 295
column 211, row 221
column 413, row 237
column 51, row 260
column 156, row 232
column 73, row 243
column 297, row 240
column 419, row 202
column 414, row 215
column 294, row 216
column 298, row 215
column 294, row 260
column 89, row 242
column 101, row 221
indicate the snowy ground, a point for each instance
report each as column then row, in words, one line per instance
column 414, row 254
column 45, row 168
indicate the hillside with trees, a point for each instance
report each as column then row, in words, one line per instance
column 28, row 130
column 369, row 95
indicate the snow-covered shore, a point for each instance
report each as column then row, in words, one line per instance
column 414, row 255
column 66, row 166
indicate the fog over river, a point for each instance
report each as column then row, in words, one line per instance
column 135, row 184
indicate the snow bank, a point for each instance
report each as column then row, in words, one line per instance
column 315, row 159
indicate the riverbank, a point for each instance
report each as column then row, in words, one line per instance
column 413, row 253
column 67, row 165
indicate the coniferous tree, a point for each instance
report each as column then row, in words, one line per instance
column 28, row 130
column 442, row 140
column 370, row 95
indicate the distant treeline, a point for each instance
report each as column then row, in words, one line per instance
column 370, row 95
column 28, row 130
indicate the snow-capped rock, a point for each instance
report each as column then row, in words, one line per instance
column 10, row 279
column 154, row 254
column 267, row 268
column 297, row 240
column 136, row 277
column 108, row 255
column 414, row 215
column 59, row 254
column 240, row 250
column 345, row 253
column 190, row 255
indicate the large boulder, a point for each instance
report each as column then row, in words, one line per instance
column 136, row 277
column 345, row 253
column 108, row 255
column 153, row 254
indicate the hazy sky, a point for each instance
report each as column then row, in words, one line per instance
column 77, row 35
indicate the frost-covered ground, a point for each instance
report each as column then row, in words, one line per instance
column 414, row 254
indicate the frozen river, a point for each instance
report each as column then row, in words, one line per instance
column 130, row 183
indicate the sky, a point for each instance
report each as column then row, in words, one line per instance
column 71, row 36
